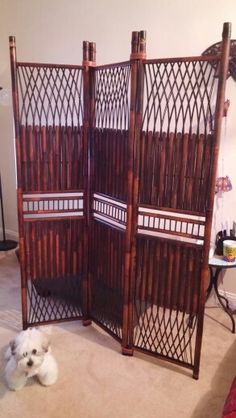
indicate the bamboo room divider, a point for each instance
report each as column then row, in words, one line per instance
column 116, row 168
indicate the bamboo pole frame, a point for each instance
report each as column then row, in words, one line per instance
column 89, row 61
column 138, row 53
column 15, row 102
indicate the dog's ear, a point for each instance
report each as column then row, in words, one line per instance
column 45, row 343
column 13, row 347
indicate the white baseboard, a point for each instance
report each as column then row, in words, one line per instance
column 10, row 234
column 231, row 297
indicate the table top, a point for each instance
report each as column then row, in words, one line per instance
column 217, row 261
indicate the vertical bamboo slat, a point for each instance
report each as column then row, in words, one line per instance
column 138, row 52
column 89, row 60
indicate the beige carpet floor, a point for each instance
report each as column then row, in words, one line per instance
column 96, row 381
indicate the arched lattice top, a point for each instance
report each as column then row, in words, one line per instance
column 112, row 88
column 178, row 96
column 50, row 95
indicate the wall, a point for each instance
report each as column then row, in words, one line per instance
column 53, row 31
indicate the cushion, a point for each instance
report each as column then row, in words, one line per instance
column 229, row 410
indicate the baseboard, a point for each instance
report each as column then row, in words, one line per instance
column 231, row 297
column 10, row 234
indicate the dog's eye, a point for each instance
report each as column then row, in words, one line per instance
column 34, row 351
column 25, row 354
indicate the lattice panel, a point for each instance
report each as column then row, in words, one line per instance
column 166, row 298
column 107, row 268
column 179, row 95
column 54, row 300
column 112, row 86
column 51, row 205
column 52, row 158
column 167, row 334
column 109, row 138
column 50, row 94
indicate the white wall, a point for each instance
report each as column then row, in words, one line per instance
column 53, row 31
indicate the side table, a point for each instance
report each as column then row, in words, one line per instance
column 216, row 265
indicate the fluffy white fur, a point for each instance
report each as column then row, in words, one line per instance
column 30, row 355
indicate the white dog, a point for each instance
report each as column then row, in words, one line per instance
column 30, row 355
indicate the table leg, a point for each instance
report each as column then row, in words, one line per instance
column 225, row 304
column 211, row 283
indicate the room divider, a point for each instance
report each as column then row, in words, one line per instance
column 116, row 168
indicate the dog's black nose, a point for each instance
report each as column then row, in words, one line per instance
column 30, row 363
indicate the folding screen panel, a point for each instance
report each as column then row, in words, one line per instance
column 175, row 167
column 177, row 148
column 109, row 172
column 116, row 170
column 48, row 105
